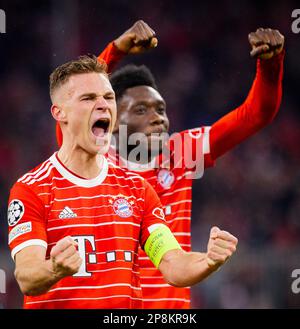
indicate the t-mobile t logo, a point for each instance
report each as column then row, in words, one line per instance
column 91, row 258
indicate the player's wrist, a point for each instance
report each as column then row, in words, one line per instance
column 212, row 265
column 119, row 48
column 54, row 271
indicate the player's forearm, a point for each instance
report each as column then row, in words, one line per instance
column 264, row 99
column 257, row 111
column 36, row 278
column 183, row 269
column 111, row 55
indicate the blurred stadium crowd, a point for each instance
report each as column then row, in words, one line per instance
column 204, row 70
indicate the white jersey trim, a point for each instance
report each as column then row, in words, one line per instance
column 83, row 298
column 34, row 172
column 153, row 285
column 93, row 225
column 166, row 299
column 80, row 181
column 32, row 242
column 96, row 287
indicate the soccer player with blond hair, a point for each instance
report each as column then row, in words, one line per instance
column 76, row 221
column 142, row 109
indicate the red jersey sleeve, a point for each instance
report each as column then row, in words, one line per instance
column 26, row 219
column 259, row 108
column 153, row 213
column 111, row 55
column 196, row 151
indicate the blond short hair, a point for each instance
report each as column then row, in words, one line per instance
column 84, row 64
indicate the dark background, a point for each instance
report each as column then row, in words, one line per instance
column 203, row 68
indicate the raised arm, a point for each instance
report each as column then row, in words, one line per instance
column 137, row 39
column 263, row 101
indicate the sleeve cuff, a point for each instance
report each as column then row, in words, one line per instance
column 33, row 242
column 116, row 51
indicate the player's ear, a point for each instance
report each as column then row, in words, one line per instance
column 58, row 113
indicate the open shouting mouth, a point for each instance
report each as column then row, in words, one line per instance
column 101, row 127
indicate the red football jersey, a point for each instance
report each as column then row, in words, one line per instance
column 259, row 108
column 109, row 216
column 173, row 184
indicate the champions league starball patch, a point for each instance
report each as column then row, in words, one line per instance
column 165, row 178
column 15, row 212
column 122, row 207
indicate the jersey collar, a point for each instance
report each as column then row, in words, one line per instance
column 67, row 174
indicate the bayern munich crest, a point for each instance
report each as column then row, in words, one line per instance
column 165, row 178
column 121, row 206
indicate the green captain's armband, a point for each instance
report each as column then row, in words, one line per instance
column 159, row 242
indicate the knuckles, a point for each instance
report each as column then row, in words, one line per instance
column 262, row 34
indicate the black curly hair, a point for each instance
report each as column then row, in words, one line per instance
column 131, row 76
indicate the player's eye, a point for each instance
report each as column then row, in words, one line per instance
column 109, row 97
column 161, row 110
column 140, row 110
column 88, row 98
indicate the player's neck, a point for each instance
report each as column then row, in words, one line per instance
column 80, row 162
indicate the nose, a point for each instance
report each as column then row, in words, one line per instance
column 101, row 104
column 157, row 119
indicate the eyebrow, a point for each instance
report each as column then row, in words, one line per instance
column 143, row 102
column 94, row 95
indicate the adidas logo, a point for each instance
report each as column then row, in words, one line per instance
column 67, row 213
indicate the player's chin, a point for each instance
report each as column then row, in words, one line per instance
column 94, row 149
column 96, row 146
column 103, row 149
column 102, row 144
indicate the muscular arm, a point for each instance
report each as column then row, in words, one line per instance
column 259, row 108
column 36, row 275
column 33, row 273
column 111, row 55
column 137, row 39
column 183, row 269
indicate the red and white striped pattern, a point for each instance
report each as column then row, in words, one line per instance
column 177, row 203
column 50, row 189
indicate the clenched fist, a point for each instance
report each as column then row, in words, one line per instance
column 266, row 43
column 65, row 257
column 221, row 246
column 139, row 38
